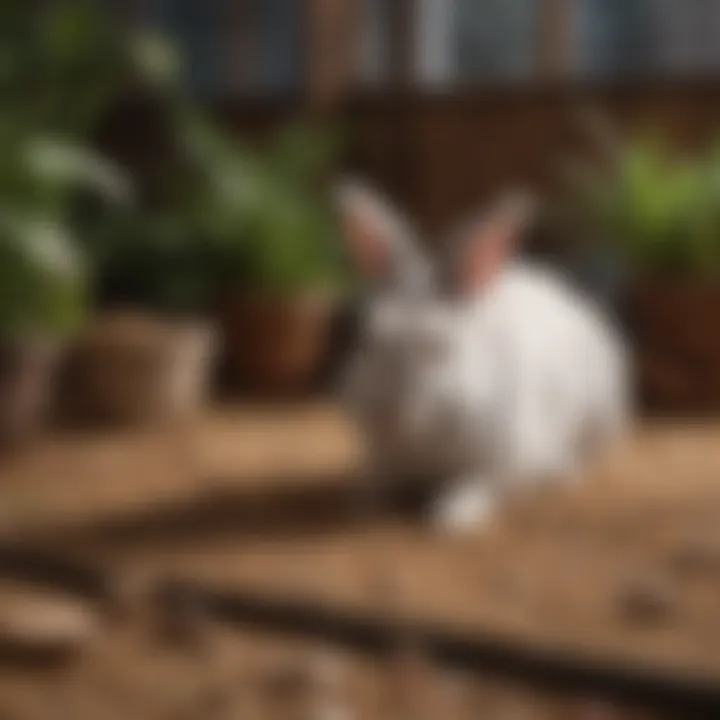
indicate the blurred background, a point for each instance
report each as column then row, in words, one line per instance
column 180, row 535
column 446, row 101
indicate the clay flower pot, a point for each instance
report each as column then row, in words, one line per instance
column 673, row 324
column 28, row 370
column 134, row 369
column 276, row 345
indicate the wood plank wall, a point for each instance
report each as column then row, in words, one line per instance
column 441, row 155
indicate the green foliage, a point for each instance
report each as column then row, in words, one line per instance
column 167, row 255
column 41, row 278
column 230, row 218
column 660, row 209
column 289, row 238
column 220, row 215
column 220, row 182
column 42, row 270
column 59, row 66
column 157, row 260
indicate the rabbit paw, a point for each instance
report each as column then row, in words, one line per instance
column 466, row 505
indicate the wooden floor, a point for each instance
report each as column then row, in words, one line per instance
column 261, row 499
column 79, row 478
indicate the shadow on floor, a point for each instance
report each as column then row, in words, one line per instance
column 290, row 507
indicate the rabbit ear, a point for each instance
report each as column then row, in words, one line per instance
column 490, row 242
column 379, row 239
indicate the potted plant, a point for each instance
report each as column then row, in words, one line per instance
column 283, row 275
column 63, row 64
column 40, row 305
column 658, row 213
column 58, row 68
column 148, row 354
column 150, row 351
column 42, row 271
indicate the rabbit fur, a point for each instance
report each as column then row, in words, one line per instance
column 503, row 378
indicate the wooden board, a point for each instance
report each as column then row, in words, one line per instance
column 76, row 479
column 554, row 570
column 130, row 670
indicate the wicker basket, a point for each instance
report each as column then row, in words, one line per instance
column 137, row 369
column 27, row 387
column 276, row 345
column 675, row 329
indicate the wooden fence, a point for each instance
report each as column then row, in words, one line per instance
column 442, row 154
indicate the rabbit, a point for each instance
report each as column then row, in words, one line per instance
column 490, row 376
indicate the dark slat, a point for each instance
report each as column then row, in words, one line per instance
column 485, row 653
column 43, row 569
column 490, row 655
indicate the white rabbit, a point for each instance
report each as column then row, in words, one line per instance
column 503, row 377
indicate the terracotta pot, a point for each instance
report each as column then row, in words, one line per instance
column 136, row 369
column 27, row 387
column 677, row 337
column 277, row 345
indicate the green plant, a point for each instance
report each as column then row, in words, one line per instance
column 60, row 66
column 42, row 271
column 41, row 278
column 63, row 63
column 217, row 215
column 658, row 208
column 289, row 236
column 233, row 218
column 159, row 262
column 168, row 254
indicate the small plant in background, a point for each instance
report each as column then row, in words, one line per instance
column 167, row 255
column 289, row 240
column 213, row 219
column 43, row 274
column 41, row 280
column 61, row 67
column 58, row 66
column 43, row 267
column 654, row 207
column 284, row 274
column 64, row 63
column 649, row 219
column 150, row 356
